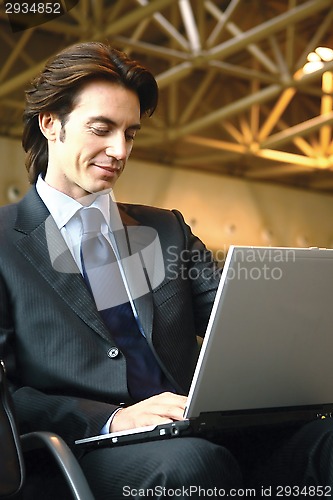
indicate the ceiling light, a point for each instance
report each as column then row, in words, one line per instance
column 312, row 66
column 313, row 57
column 325, row 53
column 317, row 58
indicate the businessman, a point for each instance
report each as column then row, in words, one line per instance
column 71, row 371
column 97, row 328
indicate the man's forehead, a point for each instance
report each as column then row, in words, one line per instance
column 100, row 98
column 100, row 88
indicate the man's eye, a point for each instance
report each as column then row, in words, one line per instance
column 130, row 137
column 99, row 131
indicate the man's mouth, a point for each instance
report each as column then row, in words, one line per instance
column 109, row 168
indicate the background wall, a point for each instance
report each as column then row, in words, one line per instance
column 221, row 210
column 13, row 176
column 224, row 211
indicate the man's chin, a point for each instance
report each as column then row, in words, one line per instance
column 102, row 191
column 89, row 198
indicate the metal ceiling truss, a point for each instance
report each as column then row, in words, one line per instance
column 234, row 96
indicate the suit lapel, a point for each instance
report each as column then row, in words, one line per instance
column 43, row 246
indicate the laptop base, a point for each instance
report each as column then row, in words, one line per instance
column 214, row 425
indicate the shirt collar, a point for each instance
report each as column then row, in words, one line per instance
column 62, row 207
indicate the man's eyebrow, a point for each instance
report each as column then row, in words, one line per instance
column 108, row 121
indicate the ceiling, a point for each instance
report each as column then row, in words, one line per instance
column 234, row 98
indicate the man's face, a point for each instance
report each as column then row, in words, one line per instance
column 88, row 153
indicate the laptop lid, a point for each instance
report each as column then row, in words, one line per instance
column 269, row 340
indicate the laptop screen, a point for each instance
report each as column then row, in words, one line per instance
column 269, row 340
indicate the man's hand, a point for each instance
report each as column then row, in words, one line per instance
column 165, row 407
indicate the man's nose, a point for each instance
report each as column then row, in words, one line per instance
column 117, row 147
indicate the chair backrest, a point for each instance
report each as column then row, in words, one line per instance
column 11, row 457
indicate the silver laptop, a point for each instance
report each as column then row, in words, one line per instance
column 267, row 354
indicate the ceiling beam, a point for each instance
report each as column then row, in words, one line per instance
column 17, row 81
column 242, row 104
column 168, row 28
column 132, row 19
column 267, row 28
column 20, row 44
column 151, row 49
column 234, row 30
column 301, row 129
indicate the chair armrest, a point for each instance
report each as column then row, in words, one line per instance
column 65, row 459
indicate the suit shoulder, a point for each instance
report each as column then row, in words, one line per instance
column 146, row 214
column 8, row 214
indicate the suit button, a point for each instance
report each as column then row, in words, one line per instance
column 113, row 352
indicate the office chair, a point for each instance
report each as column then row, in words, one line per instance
column 13, row 446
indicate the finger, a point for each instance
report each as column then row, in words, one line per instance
column 168, row 410
column 170, row 399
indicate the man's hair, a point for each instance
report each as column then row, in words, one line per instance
column 56, row 88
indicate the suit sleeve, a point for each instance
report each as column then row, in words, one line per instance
column 70, row 417
column 196, row 264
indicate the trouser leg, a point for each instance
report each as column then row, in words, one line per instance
column 187, row 467
column 290, row 463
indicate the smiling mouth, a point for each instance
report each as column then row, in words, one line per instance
column 109, row 168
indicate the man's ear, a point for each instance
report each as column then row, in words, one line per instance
column 49, row 125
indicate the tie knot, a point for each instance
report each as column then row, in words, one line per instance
column 92, row 219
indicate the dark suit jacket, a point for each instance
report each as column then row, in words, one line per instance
column 52, row 338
